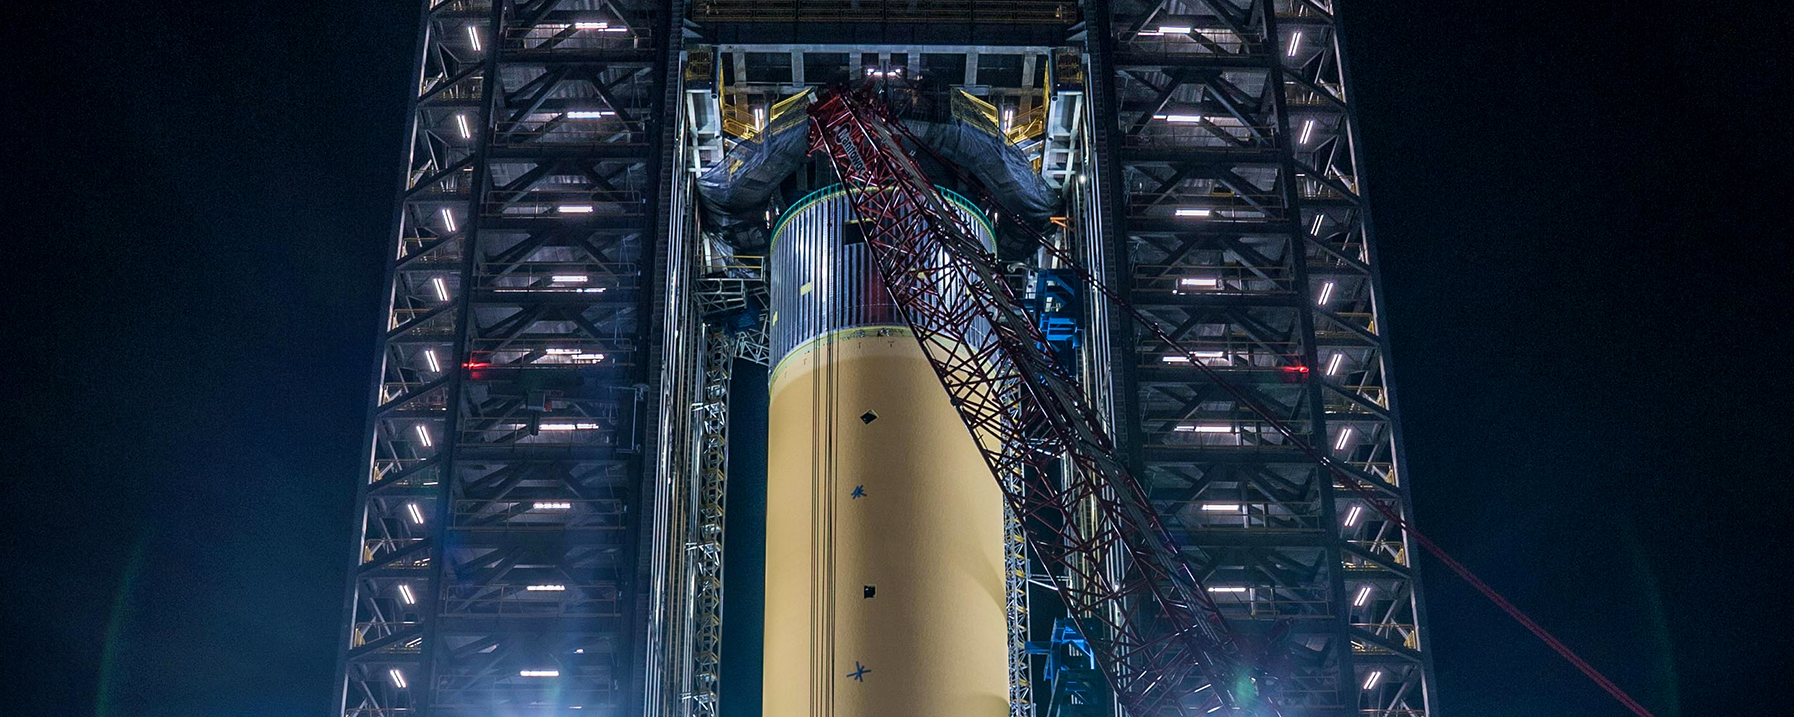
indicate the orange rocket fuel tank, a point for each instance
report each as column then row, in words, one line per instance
column 884, row 538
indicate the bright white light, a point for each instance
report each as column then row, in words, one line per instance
column 1363, row 597
column 423, row 435
column 1199, row 282
column 461, row 124
column 615, row 29
column 1295, row 43
column 430, row 360
column 1345, row 436
column 574, row 209
column 473, row 37
column 1372, row 680
column 440, row 287
column 1326, row 294
column 1227, row 589
column 1008, row 117
column 417, row 516
column 538, row 673
column 448, row 220
column 1213, row 709
column 1222, row 507
column 1316, row 229
column 588, row 357
column 569, row 426
column 579, row 651
column 552, row 505
column 548, row 588
column 1174, row 29
column 590, row 25
column 1188, row 212
column 1174, row 358
column 1179, row 119
column 405, row 594
column 589, row 114
column 1333, row 363
column 1353, row 514
column 398, row 678
column 1307, row 131
column 569, row 278
column 1203, row 428
column 759, row 118
column 561, row 352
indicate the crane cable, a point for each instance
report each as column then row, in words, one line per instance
column 1351, row 481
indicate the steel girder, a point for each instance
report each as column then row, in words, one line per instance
column 1222, row 196
column 499, row 549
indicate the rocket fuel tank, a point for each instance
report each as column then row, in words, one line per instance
column 884, row 529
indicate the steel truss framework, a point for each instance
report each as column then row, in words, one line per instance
column 545, row 340
column 499, row 560
column 1222, row 197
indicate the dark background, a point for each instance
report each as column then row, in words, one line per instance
column 1585, row 303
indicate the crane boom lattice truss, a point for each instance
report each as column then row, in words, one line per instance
column 1159, row 635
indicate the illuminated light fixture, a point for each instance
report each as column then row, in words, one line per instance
column 405, row 594
column 569, row 426
column 1307, row 131
column 579, row 651
column 552, row 505
column 1199, row 282
column 1174, row 358
column 1353, row 515
column 1204, row 428
column 1192, row 212
column 1008, row 117
column 430, row 360
column 1174, row 29
column 538, row 673
column 448, row 220
column 1222, row 507
column 759, row 118
column 1227, row 589
column 569, row 278
column 1363, row 597
column 1179, row 119
column 618, row 28
column 461, row 124
column 576, row 707
column 473, row 37
column 588, row 357
column 1326, row 294
column 547, row 588
column 1333, row 363
column 1373, row 679
column 1345, row 436
column 398, row 678
column 589, row 114
column 574, row 209
column 562, row 352
column 1316, row 229
column 423, row 435
column 1295, row 43
column 440, row 287
column 591, row 25
column 417, row 515
column 1207, row 356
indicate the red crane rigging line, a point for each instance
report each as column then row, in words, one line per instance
column 1357, row 485
column 1026, row 416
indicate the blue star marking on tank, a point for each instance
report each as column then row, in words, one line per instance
column 859, row 671
column 859, row 491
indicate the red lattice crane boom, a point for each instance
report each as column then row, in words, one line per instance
column 1160, row 638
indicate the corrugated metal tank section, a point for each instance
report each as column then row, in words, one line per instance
column 818, row 286
column 885, row 591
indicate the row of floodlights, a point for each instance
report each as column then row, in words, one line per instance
column 1295, row 39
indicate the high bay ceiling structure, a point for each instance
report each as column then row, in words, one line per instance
column 613, row 210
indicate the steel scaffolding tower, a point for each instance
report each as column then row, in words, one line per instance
column 540, row 526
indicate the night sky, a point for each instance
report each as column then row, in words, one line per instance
column 1583, row 319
